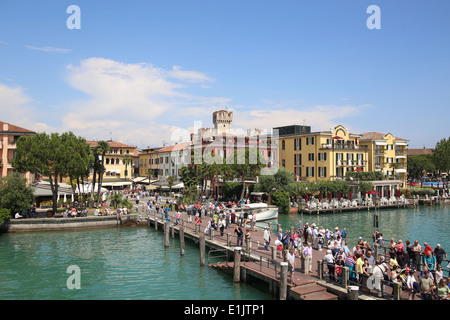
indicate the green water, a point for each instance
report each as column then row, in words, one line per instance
column 132, row 263
column 117, row 263
column 424, row 223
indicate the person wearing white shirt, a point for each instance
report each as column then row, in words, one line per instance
column 291, row 261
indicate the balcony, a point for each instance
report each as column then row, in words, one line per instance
column 379, row 165
column 342, row 147
column 351, row 163
column 400, row 152
column 380, row 151
column 11, row 144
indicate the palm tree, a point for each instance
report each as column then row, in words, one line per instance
column 101, row 149
column 170, row 181
column 394, row 166
column 126, row 162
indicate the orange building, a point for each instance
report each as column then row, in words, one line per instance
column 9, row 135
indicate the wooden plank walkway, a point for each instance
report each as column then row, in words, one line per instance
column 260, row 265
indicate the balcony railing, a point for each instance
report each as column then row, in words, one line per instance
column 351, row 163
column 342, row 147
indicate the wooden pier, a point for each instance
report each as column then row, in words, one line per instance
column 254, row 261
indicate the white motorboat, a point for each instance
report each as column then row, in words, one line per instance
column 262, row 211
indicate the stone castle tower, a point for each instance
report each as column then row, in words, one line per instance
column 222, row 121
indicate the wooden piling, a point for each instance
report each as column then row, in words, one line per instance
column 166, row 234
column 201, row 244
column 237, row 265
column 181, row 235
column 283, row 280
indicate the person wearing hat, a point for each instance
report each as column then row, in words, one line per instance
column 336, row 232
column 267, row 238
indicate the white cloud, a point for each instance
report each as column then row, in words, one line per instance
column 129, row 100
column 320, row 117
column 186, row 75
column 17, row 108
column 49, row 49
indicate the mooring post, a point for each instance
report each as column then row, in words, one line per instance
column 320, row 269
column 201, row 244
column 274, row 252
column 397, row 293
column 181, row 235
column 166, row 234
column 237, row 265
column 156, row 222
column 283, row 280
column 345, row 277
column 172, row 228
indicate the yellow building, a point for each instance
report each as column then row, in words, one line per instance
column 323, row 155
column 387, row 153
column 115, row 168
column 149, row 160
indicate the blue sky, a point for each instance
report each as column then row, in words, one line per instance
column 138, row 71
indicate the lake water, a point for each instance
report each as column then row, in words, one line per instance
column 132, row 263
column 115, row 263
column 423, row 223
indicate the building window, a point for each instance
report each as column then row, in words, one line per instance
column 283, row 145
column 297, row 159
column 322, row 172
column 310, row 156
column 309, row 172
column 297, row 144
column 283, row 163
column 322, row 156
column 310, row 141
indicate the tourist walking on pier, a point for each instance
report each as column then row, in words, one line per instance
column 291, row 261
column 440, row 254
column 412, row 285
column 307, row 255
column 240, row 235
column 426, row 286
column 416, row 250
column 329, row 260
column 267, row 238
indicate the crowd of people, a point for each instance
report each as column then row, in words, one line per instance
column 401, row 264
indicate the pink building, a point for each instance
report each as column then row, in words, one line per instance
column 9, row 134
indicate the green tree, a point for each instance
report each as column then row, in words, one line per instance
column 189, row 177
column 101, row 150
column 170, row 181
column 282, row 180
column 245, row 164
column 441, row 155
column 79, row 164
column 231, row 189
column 116, row 200
column 420, row 164
column 5, row 215
column 126, row 162
column 281, row 199
column 15, row 194
column 365, row 186
column 48, row 155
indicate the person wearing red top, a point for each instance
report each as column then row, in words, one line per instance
column 427, row 249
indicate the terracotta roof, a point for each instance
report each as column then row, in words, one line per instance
column 112, row 144
column 377, row 136
column 414, row 152
column 14, row 128
column 166, row 149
